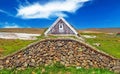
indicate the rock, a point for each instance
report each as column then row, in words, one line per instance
column 29, row 56
column 116, row 69
column 19, row 56
column 31, row 64
column 77, row 64
column 7, row 61
column 57, row 59
column 25, row 64
column 1, row 67
column 32, row 60
column 97, row 44
column 59, row 44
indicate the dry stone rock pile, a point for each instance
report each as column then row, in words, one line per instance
column 66, row 51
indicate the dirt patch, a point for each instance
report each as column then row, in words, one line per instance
column 1, row 50
column 118, row 40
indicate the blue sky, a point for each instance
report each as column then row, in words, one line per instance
column 81, row 14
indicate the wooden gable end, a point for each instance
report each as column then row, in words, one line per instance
column 60, row 28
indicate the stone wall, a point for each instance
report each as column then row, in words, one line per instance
column 68, row 52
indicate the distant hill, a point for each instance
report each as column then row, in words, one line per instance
column 23, row 30
column 40, row 31
column 103, row 30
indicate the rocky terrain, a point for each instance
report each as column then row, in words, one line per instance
column 68, row 52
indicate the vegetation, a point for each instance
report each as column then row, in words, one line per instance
column 8, row 46
column 53, row 37
column 109, row 43
column 55, row 69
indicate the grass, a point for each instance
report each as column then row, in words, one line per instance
column 8, row 46
column 56, row 69
column 54, row 37
column 109, row 43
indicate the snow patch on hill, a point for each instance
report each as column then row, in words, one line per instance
column 89, row 36
column 22, row 36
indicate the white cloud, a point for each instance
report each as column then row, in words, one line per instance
column 50, row 9
column 12, row 25
column 8, row 25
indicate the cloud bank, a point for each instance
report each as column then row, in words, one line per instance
column 12, row 26
column 54, row 8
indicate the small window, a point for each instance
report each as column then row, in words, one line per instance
column 61, row 30
column 61, row 25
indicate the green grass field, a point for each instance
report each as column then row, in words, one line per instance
column 9, row 46
column 109, row 43
column 55, row 69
